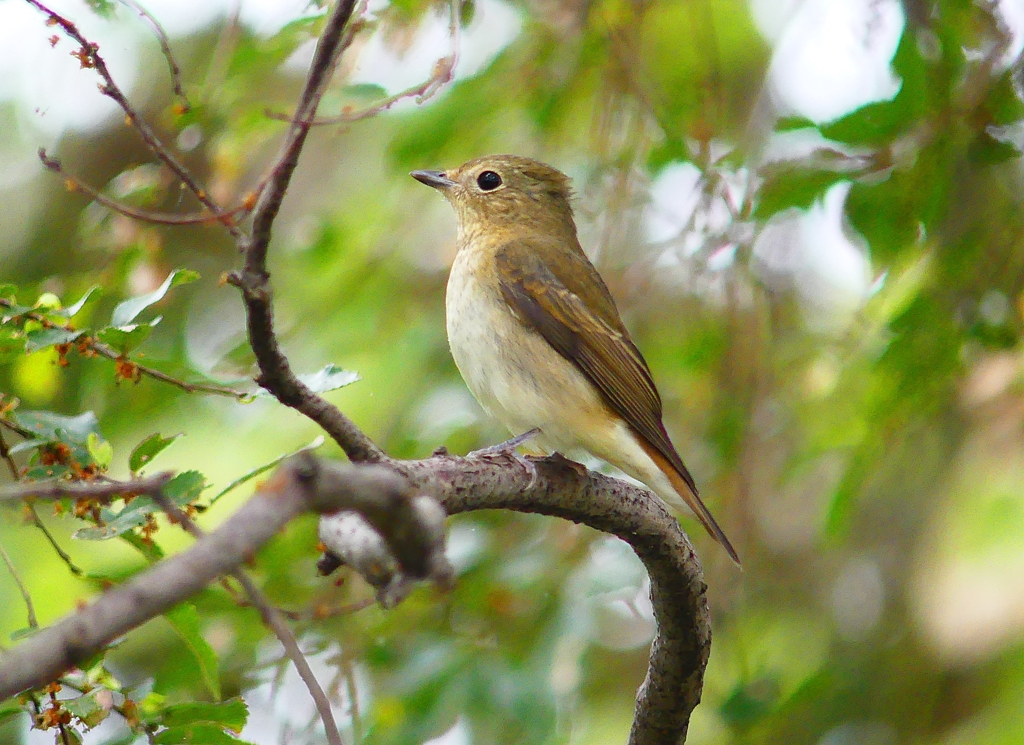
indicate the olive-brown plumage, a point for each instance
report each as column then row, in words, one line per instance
column 536, row 334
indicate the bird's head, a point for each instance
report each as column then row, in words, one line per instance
column 505, row 191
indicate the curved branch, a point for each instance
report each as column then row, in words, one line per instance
column 562, row 488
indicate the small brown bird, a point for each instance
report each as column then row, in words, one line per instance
column 536, row 334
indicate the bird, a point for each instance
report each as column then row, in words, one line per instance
column 538, row 338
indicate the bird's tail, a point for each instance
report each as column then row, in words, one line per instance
column 692, row 500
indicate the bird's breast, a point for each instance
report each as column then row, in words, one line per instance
column 512, row 371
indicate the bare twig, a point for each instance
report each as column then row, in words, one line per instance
column 157, row 218
column 33, row 514
column 274, row 620
column 253, row 280
column 29, row 608
column 353, row 697
column 111, row 354
column 61, row 553
column 165, row 47
column 299, row 486
column 440, row 75
column 89, row 56
column 86, row 489
column 317, row 613
column 325, row 59
column 5, row 453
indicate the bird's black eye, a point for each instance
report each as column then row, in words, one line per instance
column 488, row 180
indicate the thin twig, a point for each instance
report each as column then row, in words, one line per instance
column 440, row 75
column 353, row 697
column 5, row 453
column 157, row 218
column 30, row 609
column 15, row 428
column 111, row 354
column 325, row 59
column 273, row 619
column 165, row 47
column 61, row 553
column 102, row 490
column 89, row 57
column 37, row 521
column 317, row 613
column 276, row 374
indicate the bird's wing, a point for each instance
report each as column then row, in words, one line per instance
column 603, row 353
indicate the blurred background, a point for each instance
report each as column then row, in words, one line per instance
column 811, row 214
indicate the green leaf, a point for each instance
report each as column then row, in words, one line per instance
column 8, row 291
column 364, row 90
column 266, row 467
column 14, row 312
column 185, row 620
column 25, row 445
column 87, row 709
column 126, row 338
column 794, row 187
column 43, row 338
column 72, row 311
column 102, row 8
column 101, row 451
column 185, row 487
column 329, row 379
column 114, row 524
column 11, row 710
column 126, row 311
column 1003, row 103
column 52, row 427
column 12, row 345
column 790, row 123
column 207, row 734
column 871, row 124
column 40, row 473
column 231, row 714
column 48, row 302
column 988, row 150
column 148, row 449
column 881, row 122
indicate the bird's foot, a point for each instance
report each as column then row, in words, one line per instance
column 508, row 448
column 504, row 448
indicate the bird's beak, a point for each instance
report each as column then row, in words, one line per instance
column 436, row 179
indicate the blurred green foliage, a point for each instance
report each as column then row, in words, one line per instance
column 864, row 455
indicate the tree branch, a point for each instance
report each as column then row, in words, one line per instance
column 136, row 213
column 679, row 653
column 325, row 59
column 299, row 486
column 85, row 489
column 254, row 281
column 165, row 48
column 89, row 56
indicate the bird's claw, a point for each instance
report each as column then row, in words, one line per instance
column 508, row 448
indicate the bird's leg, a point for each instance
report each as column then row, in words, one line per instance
column 503, row 448
column 508, row 448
